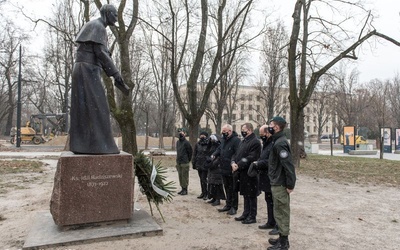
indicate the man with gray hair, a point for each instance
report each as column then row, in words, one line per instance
column 229, row 144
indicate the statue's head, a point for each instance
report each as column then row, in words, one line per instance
column 109, row 14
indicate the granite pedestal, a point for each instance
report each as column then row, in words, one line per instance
column 92, row 188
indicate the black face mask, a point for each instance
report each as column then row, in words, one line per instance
column 263, row 138
column 244, row 134
column 271, row 130
column 181, row 136
column 224, row 135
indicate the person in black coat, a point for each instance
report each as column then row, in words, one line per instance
column 248, row 152
column 229, row 145
column 264, row 183
column 200, row 154
column 214, row 177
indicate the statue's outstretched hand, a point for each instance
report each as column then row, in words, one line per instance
column 119, row 83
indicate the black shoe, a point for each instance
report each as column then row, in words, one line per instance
column 216, row 203
column 273, row 241
column 232, row 211
column 180, row 192
column 200, row 196
column 205, row 197
column 183, row 192
column 249, row 220
column 266, row 226
column 274, row 231
column 240, row 218
column 282, row 243
column 211, row 201
column 224, row 209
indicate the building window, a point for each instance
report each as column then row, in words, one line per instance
column 308, row 118
column 225, row 117
column 308, row 110
column 326, row 129
column 250, row 97
column 314, row 119
column 315, row 129
column 242, row 117
column 258, row 98
column 250, row 117
column 258, row 107
column 308, row 128
column 242, row 106
column 242, row 97
column 250, row 107
column 234, row 117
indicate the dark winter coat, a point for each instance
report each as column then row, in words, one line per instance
column 90, row 129
column 202, row 150
column 214, row 171
column 225, row 152
column 280, row 165
column 264, row 183
column 249, row 150
column 183, row 151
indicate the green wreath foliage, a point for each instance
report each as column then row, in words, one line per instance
column 143, row 168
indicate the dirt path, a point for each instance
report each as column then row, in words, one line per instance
column 325, row 215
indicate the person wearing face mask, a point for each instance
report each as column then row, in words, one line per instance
column 282, row 176
column 183, row 157
column 90, row 131
column 248, row 152
column 214, row 177
column 261, row 165
column 229, row 145
column 200, row 153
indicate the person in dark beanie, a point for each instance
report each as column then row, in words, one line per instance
column 183, row 157
column 282, row 175
column 200, row 154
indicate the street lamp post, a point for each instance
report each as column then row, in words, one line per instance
column 19, row 102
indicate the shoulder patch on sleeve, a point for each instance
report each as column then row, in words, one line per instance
column 283, row 154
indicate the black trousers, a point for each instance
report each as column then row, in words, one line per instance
column 203, row 180
column 270, row 208
column 250, row 206
column 232, row 196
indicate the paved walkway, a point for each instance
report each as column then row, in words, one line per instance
column 26, row 153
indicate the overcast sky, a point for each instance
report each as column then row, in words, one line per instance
column 381, row 62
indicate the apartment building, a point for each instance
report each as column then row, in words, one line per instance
column 250, row 106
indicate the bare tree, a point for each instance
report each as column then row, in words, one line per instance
column 394, row 100
column 11, row 38
column 194, row 106
column 122, row 106
column 274, row 64
column 315, row 46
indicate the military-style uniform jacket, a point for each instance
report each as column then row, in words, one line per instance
column 281, row 170
column 183, row 151
column 249, row 151
column 262, row 164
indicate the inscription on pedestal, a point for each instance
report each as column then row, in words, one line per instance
column 92, row 188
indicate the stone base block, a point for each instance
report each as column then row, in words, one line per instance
column 92, row 188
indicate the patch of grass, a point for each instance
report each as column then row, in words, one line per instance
column 352, row 169
column 20, row 166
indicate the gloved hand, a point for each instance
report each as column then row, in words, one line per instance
column 254, row 165
column 119, row 83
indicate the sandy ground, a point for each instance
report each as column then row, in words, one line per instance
column 325, row 215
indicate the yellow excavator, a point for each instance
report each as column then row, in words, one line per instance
column 35, row 129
